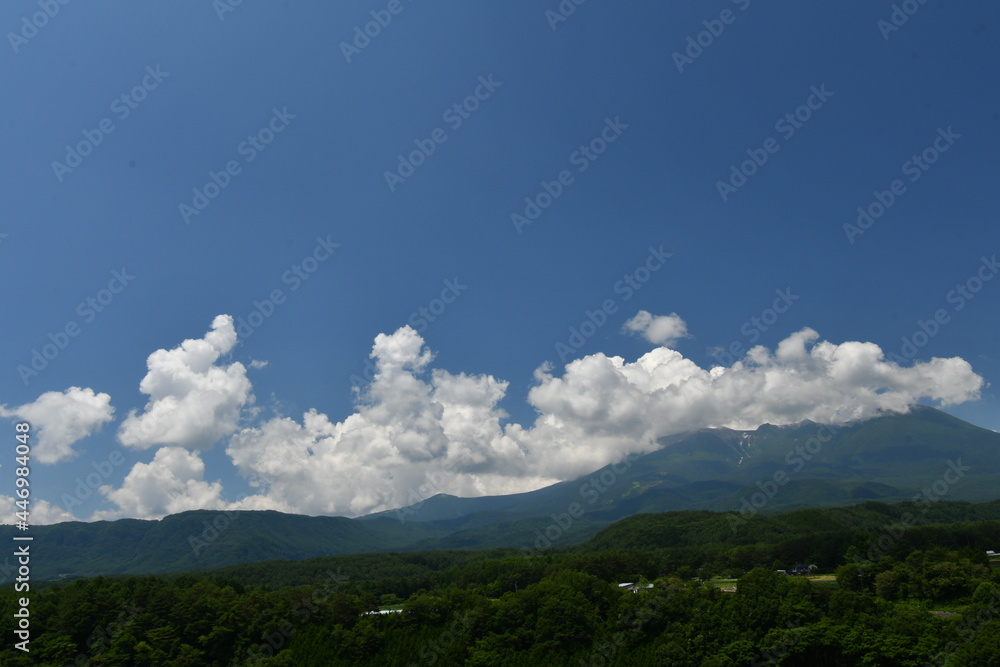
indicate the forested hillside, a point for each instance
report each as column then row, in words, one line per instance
column 881, row 595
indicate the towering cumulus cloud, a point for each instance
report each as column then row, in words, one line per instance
column 192, row 401
column 418, row 430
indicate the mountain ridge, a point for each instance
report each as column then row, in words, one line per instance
column 892, row 458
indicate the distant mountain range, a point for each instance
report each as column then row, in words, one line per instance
column 767, row 470
column 771, row 469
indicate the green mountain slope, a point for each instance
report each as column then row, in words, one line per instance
column 205, row 539
column 771, row 469
column 703, row 528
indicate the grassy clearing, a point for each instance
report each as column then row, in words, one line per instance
column 722, row 582
column 954, row 607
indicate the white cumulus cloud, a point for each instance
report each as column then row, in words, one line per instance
column 415, row 433
column 663, row 330
column 602, row 405
column 419, row 430
column 172, row 482
column 60, row 419
column 193, row 402
column 41, row 512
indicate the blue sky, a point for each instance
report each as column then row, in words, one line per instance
column 635, row 126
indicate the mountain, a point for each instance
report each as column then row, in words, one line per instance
column 821, row 536
column 698, row 529
column 770, row 469
column 889, row 458
column 201, row 539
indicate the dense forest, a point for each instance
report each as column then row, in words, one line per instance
column 920, row 595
